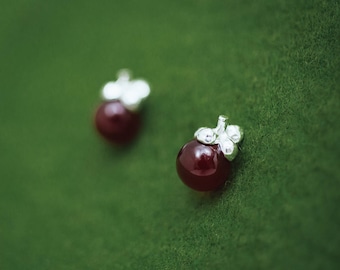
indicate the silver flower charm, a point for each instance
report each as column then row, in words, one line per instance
column 226, row 136
column 130, row 92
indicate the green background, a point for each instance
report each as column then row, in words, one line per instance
column 69, row 201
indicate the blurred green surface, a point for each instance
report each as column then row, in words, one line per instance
column 68, row 201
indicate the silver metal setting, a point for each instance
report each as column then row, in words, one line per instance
column 226, row 136
column 130, row 92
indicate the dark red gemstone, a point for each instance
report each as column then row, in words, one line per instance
column 202, row 167
column 116, row 123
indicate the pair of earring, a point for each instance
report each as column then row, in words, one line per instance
column 203, row 164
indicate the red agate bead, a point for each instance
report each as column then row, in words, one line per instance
column 202, row 167
column 116, row 123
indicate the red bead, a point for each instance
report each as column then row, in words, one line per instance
column 202, row 167
column 116, row 123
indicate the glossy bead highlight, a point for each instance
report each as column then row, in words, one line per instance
column 202, row 167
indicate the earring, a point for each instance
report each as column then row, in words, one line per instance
column 117, row 119
column 203, row 164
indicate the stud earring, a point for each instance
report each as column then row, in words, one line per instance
column 203, row 164
column 118, row 119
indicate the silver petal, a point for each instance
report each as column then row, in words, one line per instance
column 229, row 149
column 235, row 133
column 141, row 88
column 205, row 135
column 111, row 91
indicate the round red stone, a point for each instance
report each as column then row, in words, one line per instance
column 202, row 167
column 116, row 123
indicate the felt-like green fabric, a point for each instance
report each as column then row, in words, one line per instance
column 69, row 201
